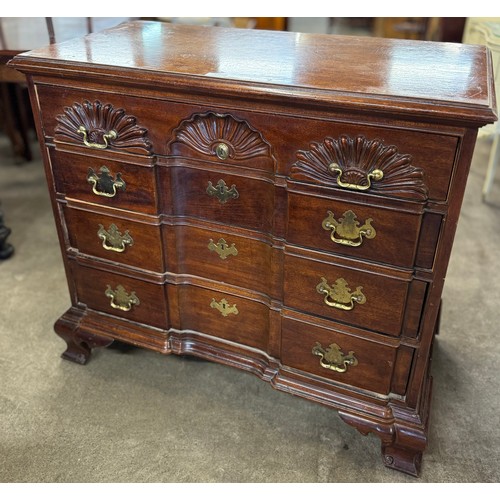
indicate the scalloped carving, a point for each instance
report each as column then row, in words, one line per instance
column 98, row 120
column 206, row 132
column 357, row 158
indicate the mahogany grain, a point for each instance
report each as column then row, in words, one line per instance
column 301, row 125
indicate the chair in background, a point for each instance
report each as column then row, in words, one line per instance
column 486, row 31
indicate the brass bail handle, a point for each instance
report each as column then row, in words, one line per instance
column 113, row 239
column 339, row 294
column 103, row 183
column 120, row 299
column 108, row 136
column 347, row 230
column 332, row 358
column 375, row 174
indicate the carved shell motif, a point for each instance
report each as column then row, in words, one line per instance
column 357, row 160
column 104, row 126
column 205, row 133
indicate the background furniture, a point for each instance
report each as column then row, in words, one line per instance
column 6, row 249
column 486, row 31
column 19, row 34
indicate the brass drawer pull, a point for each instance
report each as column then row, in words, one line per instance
column 111, row 135
column 348, row 229
column 103, row 183
column 375, row 174
column 333, row 358
column 222, row 248
column 339, row 295
column 113, row 240
column 221, row 191
column 120, row 299
column 223, row 307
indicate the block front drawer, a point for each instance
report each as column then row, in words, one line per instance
column 116, row 239
column 121, row 296
column 344, row 227
column 223, row 256
column 220, row 197
column 231, row 317
column 104, row 181
column 151, row 124
column 338, row 356
column 351, row 295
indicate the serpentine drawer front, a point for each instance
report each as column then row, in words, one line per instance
column 246, row 207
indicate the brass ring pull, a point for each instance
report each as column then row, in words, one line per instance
column 113, row 240
column 339, row 295
column 348, row 229
column 223, row 307
column 375, row 174
column 222, row 192
column 103, row 184
column 111, row 135
column 120, row 299
column 333, row 358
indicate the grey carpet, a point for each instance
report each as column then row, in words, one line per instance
column 143, row 417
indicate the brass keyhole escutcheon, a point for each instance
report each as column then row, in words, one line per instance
column 222, row 192
column 223, row 307
column 222, row 248
column 222, row 151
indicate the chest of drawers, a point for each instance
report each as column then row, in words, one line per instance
column 277, row 202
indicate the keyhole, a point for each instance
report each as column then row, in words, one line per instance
column 222, row 151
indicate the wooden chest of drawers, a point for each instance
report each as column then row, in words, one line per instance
column 278, row 202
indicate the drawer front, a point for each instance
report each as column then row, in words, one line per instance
column 161, row 127
column 152, row 126
column 414, row 164
column 221, row 197
column 224, row 315
column 348, row 295
column 104, row 182
column 224, row 257
column 121, row 296
column 337, row 356
column 351, row 229
column 116, row 239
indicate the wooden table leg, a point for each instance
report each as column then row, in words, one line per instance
column 16, row 120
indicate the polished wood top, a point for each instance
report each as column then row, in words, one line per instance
column 384, row 73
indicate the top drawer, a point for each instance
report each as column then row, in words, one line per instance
column 413, row 160
column 103, row 181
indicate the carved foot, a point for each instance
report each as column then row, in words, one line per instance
column 402, row 459
column 79, row 343
column 402, row 443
